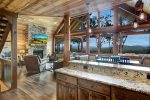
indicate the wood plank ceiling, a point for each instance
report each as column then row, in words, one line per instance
column 56, row 7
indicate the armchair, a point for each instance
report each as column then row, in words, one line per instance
column 34, row 64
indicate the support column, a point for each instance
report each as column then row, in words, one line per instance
column 99, row 36
column 81, row 44
column 115, row 35
column 121, row 40
column 53, row 44
column 14, row 53
column 88, row 37
column 67, row 40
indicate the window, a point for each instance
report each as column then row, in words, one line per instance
column 93, row 45
column 138, row 44
column 106, row 44
column 106, row 18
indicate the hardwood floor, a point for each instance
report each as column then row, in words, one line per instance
column 3, row 87
column 36, row 87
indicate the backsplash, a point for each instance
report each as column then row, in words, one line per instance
column 116, row 72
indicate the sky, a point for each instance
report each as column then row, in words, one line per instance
column 38, row 35
column 142, row 40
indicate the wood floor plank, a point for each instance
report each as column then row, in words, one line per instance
column 37, row 87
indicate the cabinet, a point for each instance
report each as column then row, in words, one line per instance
column 73, row 88
column 66, row 91
column 89, row 90
column 123, row 94
column 85, row 94
column 66, row 87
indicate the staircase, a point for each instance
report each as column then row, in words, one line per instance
column 4, row 30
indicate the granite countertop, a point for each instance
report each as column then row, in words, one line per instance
column 109, row 80
column 118, row 66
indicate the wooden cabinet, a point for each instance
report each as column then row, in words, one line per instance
column 66, row 91
column 72, row 88
column 66, row 87
column 94, row 86
column 123, row 94
column 85, row 94
column 89, row 90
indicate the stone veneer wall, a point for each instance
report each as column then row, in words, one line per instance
column 32, row 29
column 116, row 72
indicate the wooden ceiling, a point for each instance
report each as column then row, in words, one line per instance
column 56, row 7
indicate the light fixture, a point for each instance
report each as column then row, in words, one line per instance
column 90, row 30
column 135, row 24
column 139, row 5
column 55, row 23
column 142, row 15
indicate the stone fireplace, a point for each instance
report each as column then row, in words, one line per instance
column 36, row 49
column 38, row 52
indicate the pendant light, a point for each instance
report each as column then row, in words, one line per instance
column 135, row 23
column 142, row 15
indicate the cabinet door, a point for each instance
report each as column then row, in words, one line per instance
column 83, row 94
column 98, row 96
column 66, row 91
column 123, row 94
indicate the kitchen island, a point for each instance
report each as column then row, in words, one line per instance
column 87, row 81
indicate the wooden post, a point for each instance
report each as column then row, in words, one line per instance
column 67, row 40
column 99, row 38
column 81, row 44
column 53, row 44
column 88, row 37
column 14, row 53
column 115, row 35
column 121, row 40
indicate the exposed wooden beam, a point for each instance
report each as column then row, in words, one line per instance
column 14, row 53
column 135, row 33
column 77, row 24
column 130, row 27
column 111, row 29
column 132, row 11
column 59, row 27
column 67, row 40
column 115, row 35
column 8, row 13
column 99, row 37
column 88, row 36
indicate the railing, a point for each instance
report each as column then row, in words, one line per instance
column 5, row 71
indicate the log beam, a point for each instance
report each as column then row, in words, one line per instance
column 14, row 53
column 115, row 35
column 88, row 37
column 67, row 40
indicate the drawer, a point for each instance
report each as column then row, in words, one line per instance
column 66, row 78
column 98, row 87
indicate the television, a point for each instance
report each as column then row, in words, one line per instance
column 39, row 39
